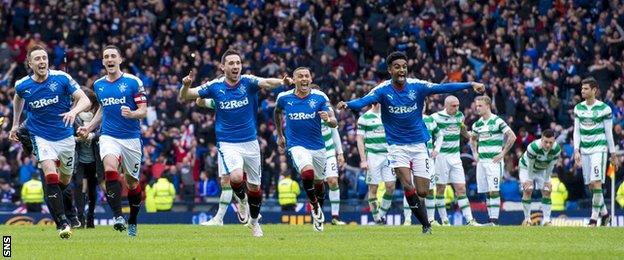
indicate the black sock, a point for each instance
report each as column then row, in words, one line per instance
column 319, row 192
column 55, row 203
column 255, row 200
column 68, row 204
column 417, row 209
column 307, row 177
column 134, row 199
column 238, row 189
column 113, row 196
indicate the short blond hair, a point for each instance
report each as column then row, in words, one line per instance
column 485, row 99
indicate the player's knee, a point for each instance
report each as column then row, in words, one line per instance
column 460, row 190
column 236, row 176
column 494, row 193
column 390, row 187
column 527, row 192
column 422, row 194
column 332, row 182
column 132, row 183
column 440, row 189
column 253, row 188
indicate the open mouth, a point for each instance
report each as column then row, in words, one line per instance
column 110, row 66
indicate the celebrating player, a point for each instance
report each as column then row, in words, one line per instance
column 402, row 101
column 536, row 165
column 593, row 134
column 48, row 94
column 487, row 143
column 122, row 105
column 448, row 165
column 236, row 100
column 304, row 109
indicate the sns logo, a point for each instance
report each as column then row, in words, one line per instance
column 43, row 102
column 113, row 101
column 234, row 104
column 402, row 110
column 301, row 116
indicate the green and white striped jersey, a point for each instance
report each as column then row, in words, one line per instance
column 330, row 146
column 490, row 136
column 591, row 126
column 450, row 129
column 537, row 156
column 372, row 129
column 433, row 129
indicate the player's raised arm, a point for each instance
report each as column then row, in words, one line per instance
column 433, row 88
column 270, row 83
column 358, row 104
column 186, row 92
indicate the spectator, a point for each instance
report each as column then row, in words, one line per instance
column 32, row 194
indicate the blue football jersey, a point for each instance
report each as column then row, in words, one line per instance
column 303, row 123
column 127, row 91
column 401, row 110
column 235, row 108
column 45, row 101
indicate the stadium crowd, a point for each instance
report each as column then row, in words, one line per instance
column 532, row 55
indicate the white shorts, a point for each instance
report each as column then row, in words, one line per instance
column 449, row 169
column 303, row 157
column 331, row 167
column 378, row 169
column 62, row 152
column 489, row 176
column 594, row 167
column 414, row 156
column 244, row 156
column 537, row 177
column 127, row 151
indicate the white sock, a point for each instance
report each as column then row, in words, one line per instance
column 224, row 202
column 441, row 207
column 374, row 206
column 495, row 203
column 603, row 210
column 334, row 199
column 526, row 205
column 546, row 205
column 386, row 203
column 488, row 204
column 407, row 212
column 464, row 205
column 597, row 203
column 430, row 204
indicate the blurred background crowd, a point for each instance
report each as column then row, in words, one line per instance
column 531, row 53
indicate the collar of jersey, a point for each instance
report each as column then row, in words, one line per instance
column 228, row 86
column 106, row 77
column 33, row 78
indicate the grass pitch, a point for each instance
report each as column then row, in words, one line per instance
column 344, row 242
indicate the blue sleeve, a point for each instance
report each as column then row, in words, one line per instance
column 204, row 91
column 358, row 104
column 254, row 82
column 432, row 88
column 71, row 85
column 325, row 105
